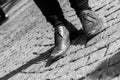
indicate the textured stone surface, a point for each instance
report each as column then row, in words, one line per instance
column 26, row 40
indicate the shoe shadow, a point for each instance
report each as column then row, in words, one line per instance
column 79, row 38
column 107, row 69
column 41, row 57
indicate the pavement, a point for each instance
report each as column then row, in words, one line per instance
column 27, row 39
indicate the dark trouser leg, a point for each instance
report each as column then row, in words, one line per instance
column 51, row 10
column 79, row 5
column 2, row 14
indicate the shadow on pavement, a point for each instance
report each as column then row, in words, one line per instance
column 107, row 69
column 41, row 57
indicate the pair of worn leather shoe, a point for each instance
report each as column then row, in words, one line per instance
column 92, row 25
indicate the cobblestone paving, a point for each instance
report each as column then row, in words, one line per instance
column 26, row 40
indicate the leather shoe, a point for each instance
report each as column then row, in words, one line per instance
column 62, row 41
column 92, row 24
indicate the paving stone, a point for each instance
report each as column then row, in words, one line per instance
column 113, row 10
column 112, row 48
column 96, row 55
column 111, row 30
column 114, row 37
